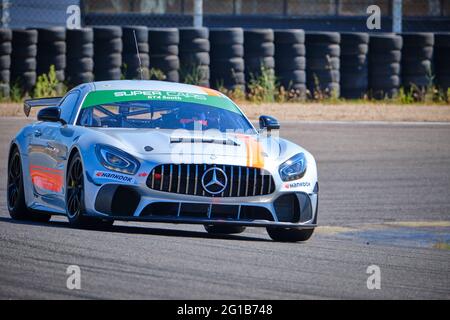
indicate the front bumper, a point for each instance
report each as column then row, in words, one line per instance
column 137, row 203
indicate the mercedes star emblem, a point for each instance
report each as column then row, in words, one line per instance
column 214, row 180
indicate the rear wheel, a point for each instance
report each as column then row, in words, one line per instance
column 75, row 207
column 223, row 229
column 289, row 234
column 15, row 193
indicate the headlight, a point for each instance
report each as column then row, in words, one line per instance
column 116, row 160
column 294, row 168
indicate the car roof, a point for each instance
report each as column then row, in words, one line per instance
column 152, row 85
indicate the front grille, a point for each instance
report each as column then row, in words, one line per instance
column 187, row 179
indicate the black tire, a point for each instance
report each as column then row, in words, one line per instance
column 323, row 76
column 15, row 194
column 111, row 46
column 163, row 49
column 255, row 36
column 325, row 63
column 295, row 76
column 224, row 229
column 5, row 35
column 442, row 40
column 80, row 65
column 387, row 81
column 5, row 62
column 320, row 50
column 191, row 33
column 165, row 63
column 198, row 58
column 75, row 206
column 128, row 35
column 110, row 74
column 256, row 63
column 322, row 37
column 289, row 235
column 262, row 49
column 196, row 45
column 351, row 50
column 5, row 48
column 107, row 33
column 291, row 36
column 385, row 42
column 163, row 36
column 25, row 37
column 417, row 53
column 77, row 37
column 386, row 57
column 418, row 39
column 385, row 69
column 226, row 36
column 354, row 38
column 51, row 34
column 231, row 51
column 289, row 50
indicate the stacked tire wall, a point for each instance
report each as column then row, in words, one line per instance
column 290, row 60
column 384, row 65
column 417, row 57
column 259, row 51
column 51, row 50
column 442, row 61
column 23, row 58
column 107, row 53
column 80, row 56
column 5, row 61
column 323, row 63
column 132, row 69
column 164, row 50
column 354, row 65
column 194, row 55
column 227, row 58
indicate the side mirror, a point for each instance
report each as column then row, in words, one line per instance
column 269, row 123
column 51, row 114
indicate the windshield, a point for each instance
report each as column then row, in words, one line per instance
column 162, row 115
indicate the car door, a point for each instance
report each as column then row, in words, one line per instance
column 48, row 152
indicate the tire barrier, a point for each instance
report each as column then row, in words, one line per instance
column 384, row 65
column 51, row 50
column 323, row 63
column 80, row 56
column 259, row 51
column 23, row 58
column 417, row 56
column 290, row 60
column 194, row 56
column 107, row 53
column 163, row 44
column 5, row 61
column 354, row 65
column 227, row 58
column 442, row 61
column 130, row 58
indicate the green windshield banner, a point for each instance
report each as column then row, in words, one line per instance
column 103, row 97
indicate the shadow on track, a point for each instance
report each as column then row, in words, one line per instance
column 140, row 230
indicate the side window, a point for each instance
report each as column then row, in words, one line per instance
column 67, row 106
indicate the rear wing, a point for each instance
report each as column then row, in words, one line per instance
column 42, row 102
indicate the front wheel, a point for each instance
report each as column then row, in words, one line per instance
column 15, row 193
column 290, row 234
column 75, row 207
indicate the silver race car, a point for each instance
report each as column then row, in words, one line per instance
column 159, row 152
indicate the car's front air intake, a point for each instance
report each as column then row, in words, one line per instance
column 211, row 180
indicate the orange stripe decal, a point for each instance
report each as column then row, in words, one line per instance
column 254, row 150
column 47, row 178
column 211, row 92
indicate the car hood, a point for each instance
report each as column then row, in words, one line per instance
column 158, row 141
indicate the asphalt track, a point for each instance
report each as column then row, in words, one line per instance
column 384, row 200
